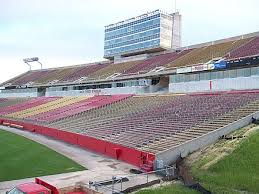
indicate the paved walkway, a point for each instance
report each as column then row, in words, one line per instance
column 99, row 166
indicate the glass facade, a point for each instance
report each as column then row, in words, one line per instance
column 234, row 73
column 145, row 32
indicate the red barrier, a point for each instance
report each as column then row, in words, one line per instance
column 68, row 137
column 120, row 152
column 52, row 188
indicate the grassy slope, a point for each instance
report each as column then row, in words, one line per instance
column 169, row 189
column 23, row 158
column 238, row 171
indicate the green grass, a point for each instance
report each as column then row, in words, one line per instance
column 23, row 158
column 238, row 171
column 169, row 189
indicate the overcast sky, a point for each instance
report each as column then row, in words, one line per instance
column 67, row 32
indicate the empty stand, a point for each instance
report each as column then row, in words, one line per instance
column 83, row 71
column 205, row 54
column 31, row 76
column 146, row 120
column 249, row 49
column 112, row 69
column 26, row 105
column 76, row 108
column 156, row 61
column 57, row 103
column 203, row 128
column 12, row 101
column 56, row 74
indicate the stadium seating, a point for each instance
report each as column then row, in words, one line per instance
column 113, row 68
column 57, row 103
column 31, row 76
column 3, row 99
column 156, row 61
column 249, row 49
column 141, row 121
column 128, row 106
column 25, row 105
column 205, row 54
column 12, row 101
column 249, row 107
column 76, row 108
column 83, row 71
column 56, row 74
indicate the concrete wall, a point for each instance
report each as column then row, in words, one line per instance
column 240, row 83
column 19, row 93
column 169, row 156
column 105, row 91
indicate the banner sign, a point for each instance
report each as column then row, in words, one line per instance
column 199, row 68
column 184, row 70
column 220, row 65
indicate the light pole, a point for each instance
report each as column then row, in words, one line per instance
column 30, row 60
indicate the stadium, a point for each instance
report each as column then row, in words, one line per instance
column 150, row 103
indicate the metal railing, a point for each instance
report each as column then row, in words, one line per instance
column 109, row 184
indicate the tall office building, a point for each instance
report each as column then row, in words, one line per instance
column 151, row 32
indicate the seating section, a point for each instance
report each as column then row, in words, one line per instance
column 151, row 123
column 57, row 103
column 25, row 105
column 56, row 74
column 142, row 122
column 205, row 54
column 83, row 71
column 86, row 104
column 31, row 76
column 156, row 61
column 5, row 102
column 112, row 69
column 249, row 49
column 181, row 137
column 126, row 107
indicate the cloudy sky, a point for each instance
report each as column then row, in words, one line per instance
column 65, row 32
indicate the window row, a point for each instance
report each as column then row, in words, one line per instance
column 28, row 90
column 133, row 41
column 134, row 23
column 132, row 29
column 246, row 72
column 134, row 47
column 132, row 37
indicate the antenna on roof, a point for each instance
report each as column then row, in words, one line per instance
column 30, row 60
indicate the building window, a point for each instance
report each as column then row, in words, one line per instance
column 233, row 73
column 255, row 71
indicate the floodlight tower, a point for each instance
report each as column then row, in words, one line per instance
column 30, row 60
